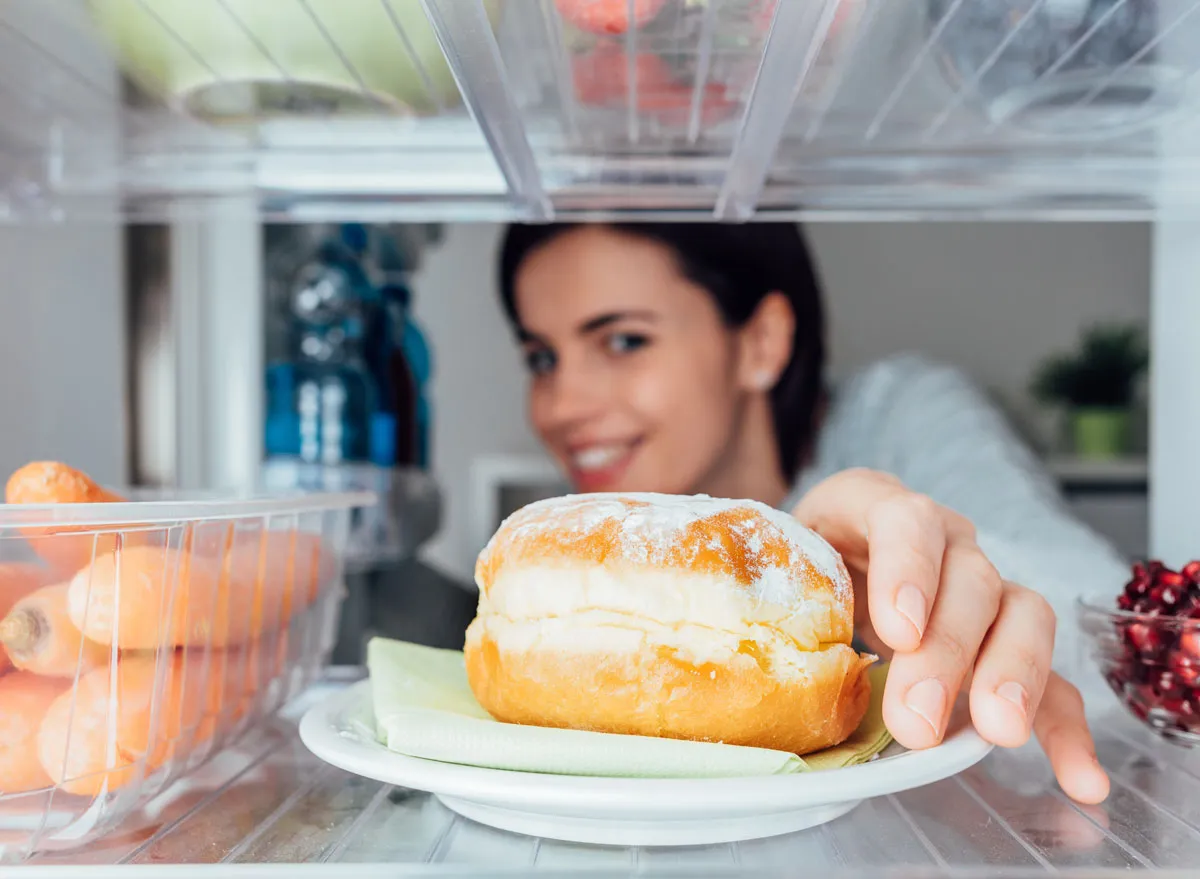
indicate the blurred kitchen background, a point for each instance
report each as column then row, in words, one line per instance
column 380, row 357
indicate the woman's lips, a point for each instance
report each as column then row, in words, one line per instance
column 595, row 468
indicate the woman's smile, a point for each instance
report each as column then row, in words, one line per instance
column 600, row 466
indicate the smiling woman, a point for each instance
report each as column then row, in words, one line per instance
column 688, row 358
column 654, row 369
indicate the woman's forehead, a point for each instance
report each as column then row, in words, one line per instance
column 590, row 274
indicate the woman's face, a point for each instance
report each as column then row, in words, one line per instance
column 637, row 384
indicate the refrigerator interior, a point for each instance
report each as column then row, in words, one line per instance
column 200, row 121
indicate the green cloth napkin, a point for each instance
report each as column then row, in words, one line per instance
column 424, row 708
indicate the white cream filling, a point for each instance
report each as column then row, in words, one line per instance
column 669, row 600
column 619, row 635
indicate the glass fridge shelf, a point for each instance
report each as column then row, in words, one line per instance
column 498, row 109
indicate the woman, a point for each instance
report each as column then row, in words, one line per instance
column 688, row 358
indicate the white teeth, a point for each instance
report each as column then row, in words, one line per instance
column 597, row 457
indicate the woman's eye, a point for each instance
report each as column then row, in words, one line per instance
column 540, row 361
column 623, row 343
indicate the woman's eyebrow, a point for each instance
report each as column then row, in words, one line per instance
column 525, row 337
column 604, row 320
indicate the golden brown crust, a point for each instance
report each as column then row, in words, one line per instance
column 654, row 692
column 743, row 542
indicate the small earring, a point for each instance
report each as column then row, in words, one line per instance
column 764, row 380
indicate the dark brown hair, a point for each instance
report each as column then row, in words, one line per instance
column 739, row 265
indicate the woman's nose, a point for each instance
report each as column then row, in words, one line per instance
column 575, row 395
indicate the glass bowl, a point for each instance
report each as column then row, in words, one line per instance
column 1150, row 659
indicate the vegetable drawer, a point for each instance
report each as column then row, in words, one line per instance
column 140, row 637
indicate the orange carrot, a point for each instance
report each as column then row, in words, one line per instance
column 38, row 636
column 144, row 597
column 48, row 482
column 24, row 700
column 17, row 581
column 115, row 725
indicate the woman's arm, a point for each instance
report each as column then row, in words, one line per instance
column 932, row 428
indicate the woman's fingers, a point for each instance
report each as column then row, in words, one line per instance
column 907, row 543
column 896, row 536
column 1061, row 727
column 923, row 683
column 838, row 508
column 1012, row 668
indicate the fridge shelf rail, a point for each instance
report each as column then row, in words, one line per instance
column 535, row 109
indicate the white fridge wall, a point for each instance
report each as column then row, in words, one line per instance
column 62, row 331
column 62, row 320
column 993, row 298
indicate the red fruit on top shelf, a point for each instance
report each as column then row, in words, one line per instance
column 602, row 75
column 608, row 16
column 602, row 80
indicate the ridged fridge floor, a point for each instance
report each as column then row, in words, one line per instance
column 269, row 801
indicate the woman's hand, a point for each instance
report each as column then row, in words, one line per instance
column 926, row 594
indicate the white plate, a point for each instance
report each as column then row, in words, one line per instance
column 630, row 811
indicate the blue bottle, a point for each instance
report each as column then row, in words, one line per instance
column 416, row 352
column 321, row 400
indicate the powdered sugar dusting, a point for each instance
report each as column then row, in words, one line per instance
column 773, row 554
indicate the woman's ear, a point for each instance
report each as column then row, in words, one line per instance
column 766, row 343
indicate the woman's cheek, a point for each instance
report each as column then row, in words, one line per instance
column 681, row 416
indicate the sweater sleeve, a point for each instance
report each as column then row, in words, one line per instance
column 930, row 426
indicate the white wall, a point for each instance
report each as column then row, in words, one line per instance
column 62, row 322
column 993, row 298
column 62, row 393
column 478, row 382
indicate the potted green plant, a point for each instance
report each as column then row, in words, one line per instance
column 1096, row 385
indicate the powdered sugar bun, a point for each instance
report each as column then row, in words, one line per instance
column 686, row 617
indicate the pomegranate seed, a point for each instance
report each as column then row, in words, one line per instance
column 1172, row 578
column 1138, row 588
column 1139, row 571
column 1185, row 669
column 1189, row 642
column 1124, row 602
column 1166, row 597
column 1147, row 606
column 1192, row 571
column 1173, row 706
column 1166, row 686
column 1144, row 638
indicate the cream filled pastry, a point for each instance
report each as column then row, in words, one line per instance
column 659, row 615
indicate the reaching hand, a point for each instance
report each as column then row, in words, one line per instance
column 926, row 594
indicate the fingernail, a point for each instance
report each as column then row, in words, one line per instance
column 1015, row 693
column 910, row 603
column 927, row 698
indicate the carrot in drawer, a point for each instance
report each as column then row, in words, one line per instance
column 144, row 597
column 24, row 700
column 37, row 635
column 17, row 580
column 117, row 725
column 66, row 548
